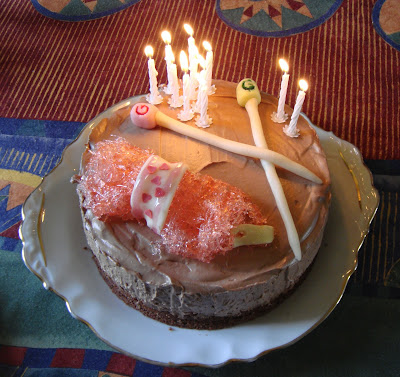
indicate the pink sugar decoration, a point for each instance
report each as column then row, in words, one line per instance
column 146, row 197
column 149, row 213
column 159, row 192
column 156, row 180
column 111, row 168
column 202, row 213
column 151, row 169
column 164, row 166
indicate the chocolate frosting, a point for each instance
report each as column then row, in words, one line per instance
column 140, row 252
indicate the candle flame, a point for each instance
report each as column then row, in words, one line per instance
column 166, row 37
column 207, row 46
column 188, row 29
column 184, row 61
column 284, row 65
column 149, row 51
column 303, row 85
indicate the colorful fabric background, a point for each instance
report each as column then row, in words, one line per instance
column 386, row 19
column 80, row 10
column 279, row 18
column 73, row 71
column 55, row 76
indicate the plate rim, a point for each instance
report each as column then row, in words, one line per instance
column 86, row 129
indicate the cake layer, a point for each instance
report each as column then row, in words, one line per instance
column 134, row 258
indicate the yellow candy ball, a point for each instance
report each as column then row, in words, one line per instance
column 247, row 89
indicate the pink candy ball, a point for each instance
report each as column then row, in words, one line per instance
column 143, row 115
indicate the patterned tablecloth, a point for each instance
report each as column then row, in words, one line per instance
column 55, row 76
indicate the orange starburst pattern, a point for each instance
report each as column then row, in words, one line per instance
column 273, row 8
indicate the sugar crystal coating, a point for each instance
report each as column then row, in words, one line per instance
column 202, row 213
column 108, row 179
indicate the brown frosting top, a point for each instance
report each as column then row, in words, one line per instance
column 139, row 250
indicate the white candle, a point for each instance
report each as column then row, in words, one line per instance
column 194, row 75
column 209, row 68
column 175, row 100
column 166, row 37
column 193, row 62
column 203, row 120
column 186, row 113
column 280, row 116
column 154, row 96
column 191, row 42
column 291, row 130
column 201, row 78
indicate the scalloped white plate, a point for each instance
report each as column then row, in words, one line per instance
column 53, row 249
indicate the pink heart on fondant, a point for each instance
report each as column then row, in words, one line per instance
column 159, row 192
column 151, row 169
column 146, row 197
column 156, row 180
column 164, row 166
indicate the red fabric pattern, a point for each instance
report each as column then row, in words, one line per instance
column 12, row 356
column 68, row 358
column 121, row 364
column 12, row 232
column 73, row 71
column 174, row 372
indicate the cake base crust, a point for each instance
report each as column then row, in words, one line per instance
column 192, row 322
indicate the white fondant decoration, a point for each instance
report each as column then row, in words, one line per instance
column 154, row 189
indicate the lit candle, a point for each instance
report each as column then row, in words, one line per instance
column 191, row 42
column 154, row 96
column 291, row 130
column 203, row 120
column 280, row 116
column 193, row 75
column 201, row 78
column 166, row 37
column 193, row 51
column 186, row 113
column 175, row 100
column 209, row 68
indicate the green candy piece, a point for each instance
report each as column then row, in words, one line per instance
column 250, row 234
column 246, row 90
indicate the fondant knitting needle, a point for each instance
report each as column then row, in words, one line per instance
column 147, row 116
column 249, row 97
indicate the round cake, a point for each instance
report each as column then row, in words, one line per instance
column 166, row 278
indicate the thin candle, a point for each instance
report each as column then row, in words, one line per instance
column 209, row 67
column 280, row 116
column 203, row 120
column 186, row 113
column 166, row 37
column 201, row 78
column 175, row 100
column 193, row 74
column 191, row 41
column 193, row 51
column 154, row 96
column 291, row 130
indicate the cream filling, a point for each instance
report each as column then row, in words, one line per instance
column 139, row 250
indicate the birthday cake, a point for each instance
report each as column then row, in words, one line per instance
column 188, row 231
